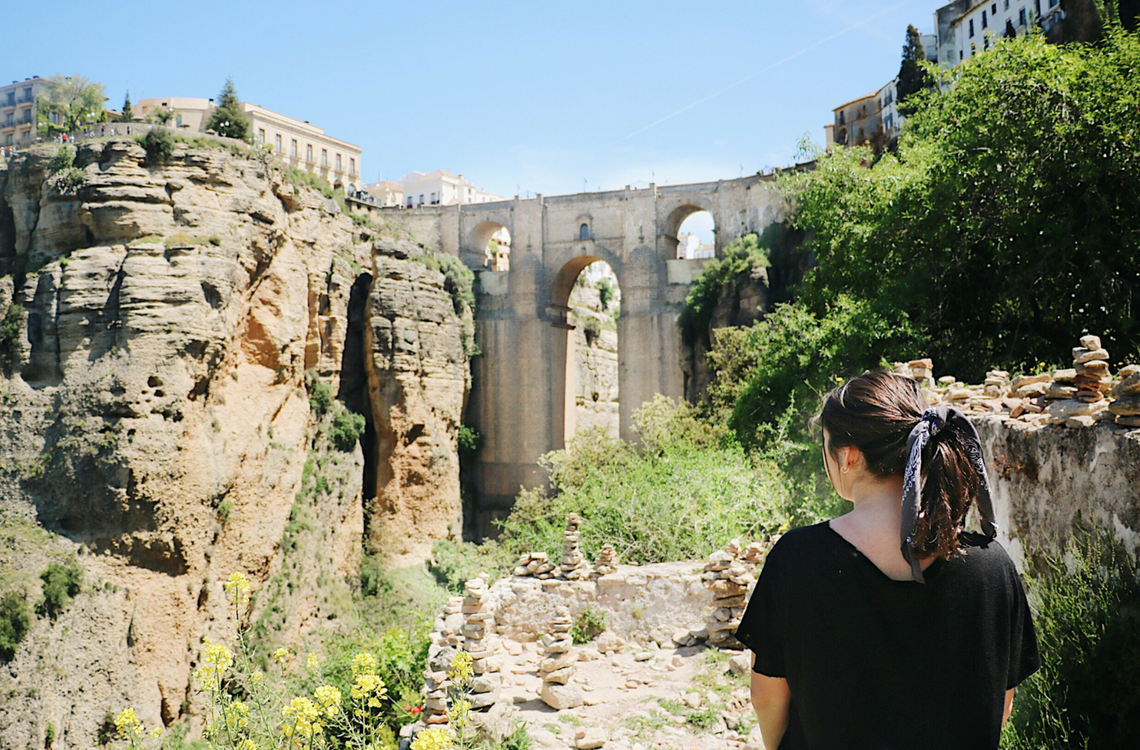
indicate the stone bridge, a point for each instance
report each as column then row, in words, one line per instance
column 522, row 400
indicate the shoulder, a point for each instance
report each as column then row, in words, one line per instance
column 796, row 545
column 986, row 558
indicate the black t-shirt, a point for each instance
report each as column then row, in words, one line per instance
column 877, row 663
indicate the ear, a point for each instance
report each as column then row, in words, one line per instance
column 849, row 457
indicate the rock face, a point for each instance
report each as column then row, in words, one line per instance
column 157, row 414
column 595, row 351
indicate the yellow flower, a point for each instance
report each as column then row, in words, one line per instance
column 329, row 697
column 247, row 744
column 312, row 661
column 127, row 724
column 156, row 733
column 237, row 715
column 363, row 663
column 433, row 739
column 280, row 655
column 237, row 589
column 303, row 714
column 460, row 714
column 368, row 685
column 218, row 661
column 256, row 677
column 461, row 670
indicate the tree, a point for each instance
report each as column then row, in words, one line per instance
column 128, row 114
column 77, row 99
column 912, row 77
column 228, row 119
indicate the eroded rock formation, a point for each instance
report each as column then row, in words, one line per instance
column 157, row 414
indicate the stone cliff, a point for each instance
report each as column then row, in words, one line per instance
column 165, row 327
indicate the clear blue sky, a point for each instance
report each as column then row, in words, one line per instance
column 518, row 96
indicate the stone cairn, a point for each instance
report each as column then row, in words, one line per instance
column 607, row 561
column 1076, row 397
column 482, row 645
column 574, row 566
column 1126, row 408
column 729, row 579
column 535, row 564
column 445, row 642
column 557, row 665
column 921, row 370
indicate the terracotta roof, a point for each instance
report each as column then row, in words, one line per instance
column 871, row 95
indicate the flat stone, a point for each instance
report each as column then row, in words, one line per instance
column 561, row 697
column 1033, row 389
column 1081, row 421
column 592, row 739
column 1130, row 384
column 1090, row 342
column 1082, row 355
column 1128, row 406
column 560, row 676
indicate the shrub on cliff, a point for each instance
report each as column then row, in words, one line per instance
column 347, row 427
column 159, row 145
column 11, row 329
column 736, row 262
column 15, row 622
column 458, row 279
column 60, row 582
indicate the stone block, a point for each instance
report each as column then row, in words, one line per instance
column 561, row 697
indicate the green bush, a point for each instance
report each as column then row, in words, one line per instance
column 590, row 623
column 159, row 145
column 300, row 178
column 62, row 159
column 60, row 583
column 605, row 292
column 735, row 265
column 454, row 563
column 373, row 578
column 15, row 622
column 69, row 180
column 347, row 427
column 11, row 329
column 225, row 508
column 469, row 439
column 321, row 398
column 592, row 329
column 1087, row 614
column 684, row 492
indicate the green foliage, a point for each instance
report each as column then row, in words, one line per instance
column 160, row 116
column 1087, row 615
column 128, row 113
column 321, row 398
column 63, row 158
column 458, row 279
column 225, row 508
column 605, row 292
column 738, row 261
column 49, row 735
column 15, row 622
column 11, row 329
column 373, row 580
column 912, row 77
column 77, row 99
column 61, row 582
column 299, row 178
column 683, row 493
column 588, row 625
column 159, row 145
column 70, row 180
column 1005, row 227
column 469, row 439
column 454, row 563
column 347, row 427
column 228, row 119
column 592, row 328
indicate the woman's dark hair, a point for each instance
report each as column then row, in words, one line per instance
column 875, row 413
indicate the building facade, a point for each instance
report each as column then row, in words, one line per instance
column 18, row 111
column 386, row 193
column 442, row 188
column 856, row 121
column 299, row 144
column 966, row 28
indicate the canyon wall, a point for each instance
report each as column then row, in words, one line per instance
column 165, row 329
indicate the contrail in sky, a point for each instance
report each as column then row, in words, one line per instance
column 776, row 64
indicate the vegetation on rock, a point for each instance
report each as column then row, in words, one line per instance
column 159, row 145
column 77, row 100
column 61, row 583
column 228, row 119
column 738, row 260
column 11, row 329
column 15, row 622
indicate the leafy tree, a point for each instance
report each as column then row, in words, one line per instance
column 1006, row 225
column 738, row 260
column 912, row 76
column 128, row 113
column 159, row 145
column 228, row 119
column 160, row 115
column 77, row 99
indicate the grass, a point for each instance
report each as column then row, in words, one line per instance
column 183, row 239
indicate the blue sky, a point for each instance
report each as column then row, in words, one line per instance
column 521, row 97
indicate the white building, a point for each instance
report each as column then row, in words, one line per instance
column 889, row 118
column 385, row 192
column 441, row 188
column 689, row 247
column 965, row 28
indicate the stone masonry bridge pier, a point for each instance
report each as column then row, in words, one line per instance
column 522, row 400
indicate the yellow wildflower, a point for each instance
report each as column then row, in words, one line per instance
column 218, row 661
column 460, row 714
column 461, row 670
column 363, row 663
column 256, row 677
column 237, row 589
column 312, row 661
column 433, row 739
column 281, row 655
column 368, row 685
column 156, row 733
column 127, row 724
column 329, row 697
column 237, row 715
column 303, row 714
column 247, row 744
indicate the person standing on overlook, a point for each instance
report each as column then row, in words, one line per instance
column 891, row 626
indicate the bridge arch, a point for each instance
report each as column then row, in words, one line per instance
column 677, row 217
column 479, row 242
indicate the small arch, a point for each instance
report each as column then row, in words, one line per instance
column 493, row 241
column 676, row 219
column 584, row 232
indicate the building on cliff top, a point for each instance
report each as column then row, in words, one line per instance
column 298, row 143
column 18, row 111
column 441, row 188
column 385, row 192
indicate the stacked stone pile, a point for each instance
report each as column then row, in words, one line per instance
column 607, row 561
column 535, row 564
column 445, row 642
column 996, row 384
column 1077, row 395
column 728, row 579
column 574, row 566
column 1126, row 408
column 557, row 666
column 921, row 370
column 480, row 642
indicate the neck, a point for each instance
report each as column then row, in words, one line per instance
column 878, row 502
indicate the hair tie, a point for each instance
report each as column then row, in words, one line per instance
column 933, row 421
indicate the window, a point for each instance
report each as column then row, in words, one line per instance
column 971, row 28
column 178, row 120
column 1021, row 17
column 993, row 9
column 1037, row 7
column 986, row 43
column 584, row 232
column 960, row 53
column 352, row 166
column 842, row 119
column 324, row 157
column 433, row 200
column 277, row 143
column 261, row 135
column 338, row 167
column 973, row 48
column 309, row 152
column 54, row 118
column 293, row 147
column 1006, row 5
column 1053, row 3
column 985, row 23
